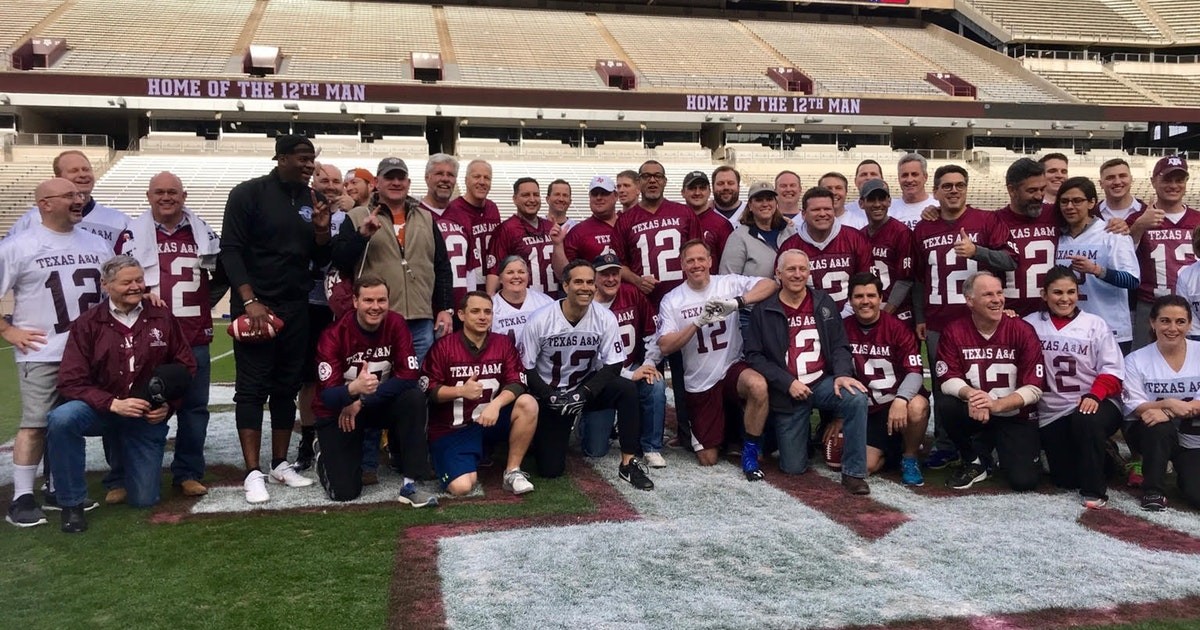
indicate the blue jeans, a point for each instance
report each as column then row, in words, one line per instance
column 140, row 446
column 793, row 429
column 596, row 426
column 192, row 423
column 422, row 338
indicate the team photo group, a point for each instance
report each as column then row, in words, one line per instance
column 1053, row 340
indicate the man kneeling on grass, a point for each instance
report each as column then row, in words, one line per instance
column 368, row 378
column 476, row 388
column 126, row 367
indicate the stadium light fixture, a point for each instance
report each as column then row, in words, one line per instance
column 392, row 109
column 438, row 110
column 464, row 122
column 343, row 108
column 912, row 122
column 5, row 100
column 540, row 113
column 971, row 123
column 294, row 107
column 620, row 115
column 808, row 120
column 241, row 106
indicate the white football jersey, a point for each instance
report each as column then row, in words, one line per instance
column 1187, row 286
column 1148, row 378
column 110, row 224
column 563, row 353
column 1111, row 251
column 709, row 354
column 1074, row 356
column 855, row 218
column 909, row 213
column 510, row 320
column 54, row 278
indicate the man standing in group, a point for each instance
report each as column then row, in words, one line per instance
column 594, row 235
column 358, row 184
column 891, row 249
column 178, row 254
column 990, row 371
column 913, row 172
column 369, row 376
column 398, row 241
column 727, row 190
column 267, row 250
column 53, row 271
column 628, row 193
column 1117, row 182
column 1055, row 167
column 836, row 183
column 441, row 172
column 110, row 224
column 693, row 322
column 558, row 202
column 797, row 342
column 863, row 173
column 788, row 192
column 115, row 352
column 1163, row 236
column 528, row 235
column 835, row 251
column 485, row 216
column 1032, row 232
column 572, row 355
column 948, row 250
column 714, row 228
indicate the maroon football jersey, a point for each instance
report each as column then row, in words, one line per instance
column 804, row 355
column 1012, row 358
column 883, row 354
column 943, row 271
column 345, row 348
column 516, row 236
column 648, row 243
column 588, row 239
column 1035, row 240
column 451, row 363
column 637, row 320
column 715, row 229
column 892, row 259
column 183, row 285
column 1163, row 251
column 455, row 226
column 484, row 221
column 844, row 254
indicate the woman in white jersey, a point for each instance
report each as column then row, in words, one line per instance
column 1161, row 384
column 1188, row 288
column 1080, row 407
column 1106, row 262
column 515, row 301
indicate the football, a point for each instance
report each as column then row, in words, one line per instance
column 239, row 329
column 833, row 451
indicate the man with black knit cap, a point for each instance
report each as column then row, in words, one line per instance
column 267, row 248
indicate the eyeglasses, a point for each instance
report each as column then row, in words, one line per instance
column 648, row 177
column 1073, row 201
column 953, row 186
column 70, row 195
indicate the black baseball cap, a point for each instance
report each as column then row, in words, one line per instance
column 286, row 145
column 694, row 178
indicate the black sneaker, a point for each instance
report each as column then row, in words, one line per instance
column 25, row 512
column 967, row 476
column 73, row 520
column 635, row 473
column 304, row 455
column 1150, row 503
column 50, row 503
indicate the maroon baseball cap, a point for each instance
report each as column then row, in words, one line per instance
column 1170, row 164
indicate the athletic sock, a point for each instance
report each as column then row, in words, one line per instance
column 276, row 461
column 23, row 478
column 408, row 480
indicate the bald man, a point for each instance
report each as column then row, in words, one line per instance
column 178, row 253
column 53, row 271
column 110, row 224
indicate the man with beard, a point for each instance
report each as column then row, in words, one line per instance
column 267, row 249
column 713, row 226
column 1032, row 231
column 358, row 184
column 727, row 188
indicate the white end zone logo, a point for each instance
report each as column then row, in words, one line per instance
column 324, row 371
column 942, row 368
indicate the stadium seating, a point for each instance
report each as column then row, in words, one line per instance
column 19, row 17
column 1172, row 89
column 1101, row 86
column 1183, row 17
column 116, row 36
column 1072, row 20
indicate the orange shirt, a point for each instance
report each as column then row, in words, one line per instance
column 398, row 219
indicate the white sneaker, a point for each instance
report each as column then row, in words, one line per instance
column 654, row 460
column 517, row 482
column 285, row 474
column 256, row 487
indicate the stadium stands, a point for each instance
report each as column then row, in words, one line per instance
column 116, row 37
column 1073, row 20
column 1100, row 86
column 1172, row 89
column 520, row 49
column 348, row 41
column 19, row 17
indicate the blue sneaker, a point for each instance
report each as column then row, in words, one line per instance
column 750, row 461
column 416, row 497
column 910, row 472
column 940, row 459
